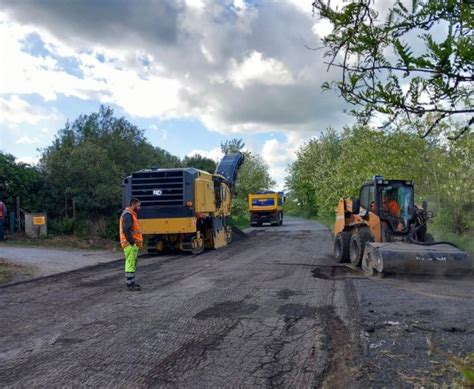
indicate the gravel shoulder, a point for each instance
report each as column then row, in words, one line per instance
column 45, row 262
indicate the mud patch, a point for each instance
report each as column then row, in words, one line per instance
column 286, row 293
column 336, row 273
column 227, row 310
column 341, row 349
column 297, row 311
column 67, row 341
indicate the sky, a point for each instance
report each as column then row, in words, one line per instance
column 190, row 73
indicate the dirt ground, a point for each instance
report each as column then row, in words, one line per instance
column 271, row 310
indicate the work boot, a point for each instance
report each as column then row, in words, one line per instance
column 134, row 288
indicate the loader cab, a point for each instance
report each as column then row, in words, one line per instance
column 392, row 201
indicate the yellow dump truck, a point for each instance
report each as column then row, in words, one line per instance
column 266, row 207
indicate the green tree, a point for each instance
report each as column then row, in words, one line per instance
column 253, row 176
column 231, row 146
column 199, row 162
column 89, row 158
column 23, row 180
column 401, row 66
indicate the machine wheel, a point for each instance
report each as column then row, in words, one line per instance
column 193, row 245
column 281, row 218
column 357, row 245
column 341, row 246
column 428, row 238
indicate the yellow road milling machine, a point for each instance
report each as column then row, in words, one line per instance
column 385, row 232
column 266, row 207
column 184, row 208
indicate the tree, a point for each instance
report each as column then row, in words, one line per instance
column 23, row 180
column 253, row 176
column 89, row 158
column 199, row 162
column 233, row 145
column 401, row 66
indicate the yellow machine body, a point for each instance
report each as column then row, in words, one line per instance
column 185, row 208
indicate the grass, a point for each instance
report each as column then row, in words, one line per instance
column 240, row 221
column 462, row 366
column 464, row 241
column 10, row 272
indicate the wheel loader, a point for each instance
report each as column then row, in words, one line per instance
column 384, row 232
column 185, row 209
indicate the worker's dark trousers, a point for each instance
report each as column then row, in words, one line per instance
column 2, row 223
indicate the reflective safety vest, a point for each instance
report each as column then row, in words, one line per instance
column 136, row 234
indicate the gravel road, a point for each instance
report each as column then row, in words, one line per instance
column 271, row 310
column 45, row 261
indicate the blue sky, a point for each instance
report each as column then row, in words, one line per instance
column 191, row 73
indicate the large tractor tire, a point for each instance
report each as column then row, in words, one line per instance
column 341, row 246
column 357, row 245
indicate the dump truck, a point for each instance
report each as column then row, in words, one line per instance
column 385, row 232
column 185, row 209
column 266, row 207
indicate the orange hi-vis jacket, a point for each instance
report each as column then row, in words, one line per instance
column 392, row 208
column 136, row 234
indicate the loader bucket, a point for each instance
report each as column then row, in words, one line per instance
column 410, row 258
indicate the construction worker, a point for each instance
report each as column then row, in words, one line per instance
column 390, row 205
column 3, row 217
column 131, row 241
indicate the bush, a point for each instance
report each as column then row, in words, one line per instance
column 63, row 226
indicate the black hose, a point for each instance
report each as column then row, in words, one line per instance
column 412, row 239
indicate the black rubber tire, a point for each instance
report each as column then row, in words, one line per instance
column 341, row 247
column 281, row 218
column 357, row 245
column 428, row 238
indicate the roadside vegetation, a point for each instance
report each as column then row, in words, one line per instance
column 77, row 181
column 400, row 68
column 336, row 165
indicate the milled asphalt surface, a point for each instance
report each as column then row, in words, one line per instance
column 271, row 310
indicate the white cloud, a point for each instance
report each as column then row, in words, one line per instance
column 26, row 140
column 256, row 69
column 322, row 28
column 232, row 65
column 14, row 110
column 28, row 160
column 214, row 154
column 278, row 155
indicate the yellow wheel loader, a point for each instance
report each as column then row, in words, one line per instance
column 384, row 232
column 184, row 208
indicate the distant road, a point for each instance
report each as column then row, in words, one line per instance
column 269, row 310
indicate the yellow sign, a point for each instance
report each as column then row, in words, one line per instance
column 39, row 220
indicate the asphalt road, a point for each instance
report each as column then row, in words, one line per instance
column 271, row 310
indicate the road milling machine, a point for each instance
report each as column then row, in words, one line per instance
column 385, row 232
column 184, row 208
